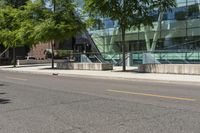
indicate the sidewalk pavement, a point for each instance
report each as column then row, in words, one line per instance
column 116, row 73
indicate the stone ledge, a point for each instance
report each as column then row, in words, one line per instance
column 170, row 68
column 85, row 66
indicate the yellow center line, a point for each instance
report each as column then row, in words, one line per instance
column 153, row 95
column 16, row 78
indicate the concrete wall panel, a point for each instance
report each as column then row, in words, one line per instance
column 170, row 68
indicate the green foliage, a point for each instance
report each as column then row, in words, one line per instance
column 27, row 22
column 94, row 22
column 59, row 54
column 13, row 3
column 12, row 30
column 128, row 12
column 56, row 23
column 34, row 22
column 63, row 53
column 9, row 27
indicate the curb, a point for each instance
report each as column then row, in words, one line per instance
column 106, row 77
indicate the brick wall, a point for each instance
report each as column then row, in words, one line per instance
column 38, row 50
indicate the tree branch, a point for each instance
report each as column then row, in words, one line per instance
column 4, row 51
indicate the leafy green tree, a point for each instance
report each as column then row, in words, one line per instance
column 13, row 3
column 8, row 29
column 37, row 21
column 128, row 13
column 10, row 24
column 56, row 22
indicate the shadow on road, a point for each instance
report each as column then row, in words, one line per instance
column 4, row 101
column 2, row 85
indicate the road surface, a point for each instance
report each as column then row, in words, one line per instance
column 54, row 104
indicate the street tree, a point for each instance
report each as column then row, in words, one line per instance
column 128, row 13
column 9, row 29
column 10, row 25
column 57, row 22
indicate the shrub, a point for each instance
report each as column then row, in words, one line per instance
column 63, row 53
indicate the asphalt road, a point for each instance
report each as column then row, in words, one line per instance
column 54, row 104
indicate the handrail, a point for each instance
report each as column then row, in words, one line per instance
column 96, row 48
column 121, row 61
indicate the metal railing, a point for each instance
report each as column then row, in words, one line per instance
column 137, row 57
column 171, row 57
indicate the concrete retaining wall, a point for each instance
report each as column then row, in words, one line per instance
column 85, row 66
column 170, row 68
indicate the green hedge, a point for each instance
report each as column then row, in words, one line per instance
column 63, row 53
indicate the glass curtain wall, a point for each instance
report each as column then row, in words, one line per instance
column 175, row 30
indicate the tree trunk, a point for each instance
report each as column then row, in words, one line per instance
column 53, row 41
column 14, row 56
column 123, row 50
column 4, row 51
column 52, row 54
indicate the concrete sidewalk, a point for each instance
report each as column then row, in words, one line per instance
column 114, row 74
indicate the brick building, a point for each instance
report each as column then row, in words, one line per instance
column 38, row 51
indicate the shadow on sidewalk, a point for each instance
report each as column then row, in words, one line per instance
column 49, row 68
column 31, row 65
column 28, row 65
column 132, row 70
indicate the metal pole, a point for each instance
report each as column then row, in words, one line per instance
column 186, row 19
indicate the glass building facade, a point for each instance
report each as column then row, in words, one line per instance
column 177, row 31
